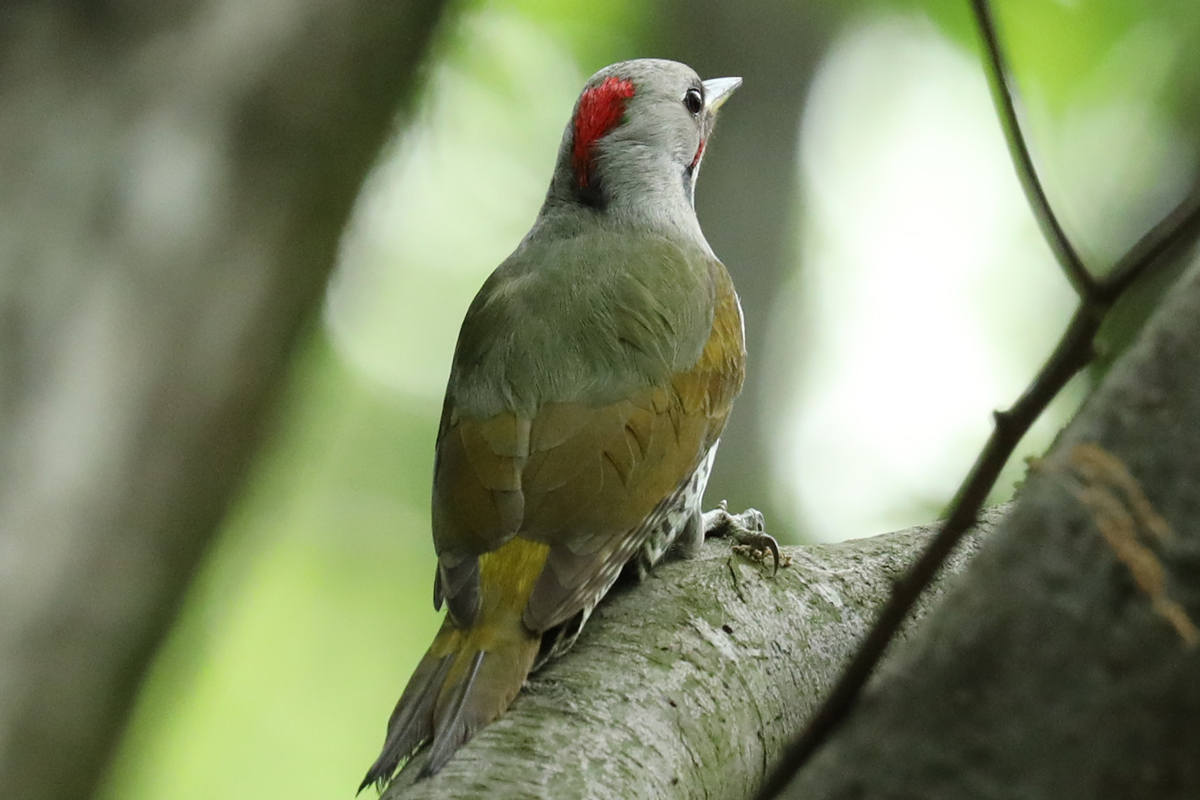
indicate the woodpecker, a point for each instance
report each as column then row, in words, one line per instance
column 592, row 378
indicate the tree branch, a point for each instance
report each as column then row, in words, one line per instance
column 1177, row 230
column 686, row 685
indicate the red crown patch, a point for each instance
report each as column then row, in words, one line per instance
column 600, row 110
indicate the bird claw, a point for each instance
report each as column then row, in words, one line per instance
column 748, row 529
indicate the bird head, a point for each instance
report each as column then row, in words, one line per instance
column 636, row 138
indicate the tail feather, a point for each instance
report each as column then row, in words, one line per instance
column 466, row 680
column 411, row 722
column 451, row 732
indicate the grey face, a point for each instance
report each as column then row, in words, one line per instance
column 636, row 139
column 668, row 119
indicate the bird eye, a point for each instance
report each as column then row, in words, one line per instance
column 693, row 101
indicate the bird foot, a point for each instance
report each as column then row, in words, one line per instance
column 748, row 529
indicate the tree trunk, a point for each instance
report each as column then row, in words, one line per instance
column 176, row 176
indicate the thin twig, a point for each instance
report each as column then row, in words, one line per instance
column 1174, row 231
column 1073, row 352
column 999, row 81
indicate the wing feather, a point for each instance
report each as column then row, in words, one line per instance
column 589, row 480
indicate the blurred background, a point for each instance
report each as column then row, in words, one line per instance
column 895, row 286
